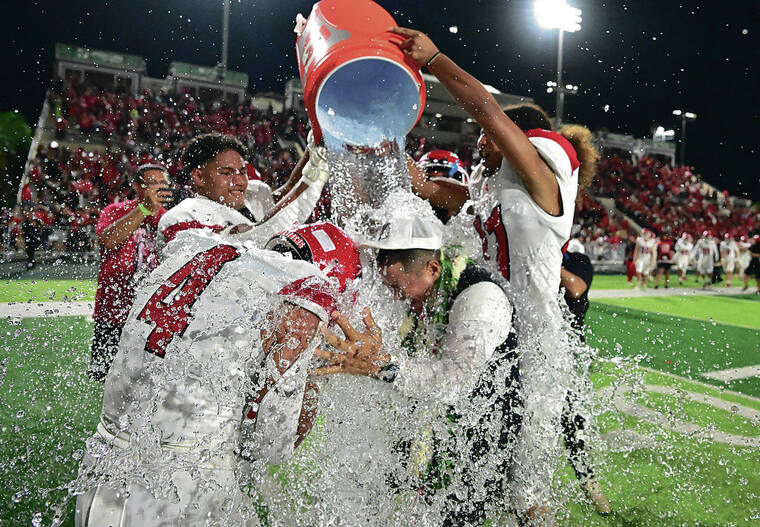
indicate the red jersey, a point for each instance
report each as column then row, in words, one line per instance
column 665, row 251
column 116, row 285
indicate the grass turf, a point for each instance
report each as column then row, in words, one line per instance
column 46, row 290
column 677, row 345
column 619, row 281
column 737, row 310
column 48, row 407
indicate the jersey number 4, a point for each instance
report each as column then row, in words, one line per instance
column 170, row 307
column 494, row 228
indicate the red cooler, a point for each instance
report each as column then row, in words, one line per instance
column 359, row 88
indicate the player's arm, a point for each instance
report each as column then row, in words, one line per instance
column 635, row 252
column 119, row 231
column 573, row 284
column 449, row 196
column 292, row 332
column 514, row 145
column 293, row 179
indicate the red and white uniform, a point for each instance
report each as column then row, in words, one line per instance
column 201, row 212
column 646, row 254
column 743, row 256
column 706, row 254
column 729, row 250
column 524, row 244
column 190, row 362
column 683, row 250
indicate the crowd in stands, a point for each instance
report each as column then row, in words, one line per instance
column 67, row 186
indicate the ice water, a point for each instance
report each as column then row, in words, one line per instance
column 366, row 102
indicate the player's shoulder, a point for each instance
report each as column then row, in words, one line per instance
column 555, row 146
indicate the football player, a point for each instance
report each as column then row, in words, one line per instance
column 524, row 212
column 683, row 249
column 705, row 252
column 212, row 369
column 225, row 199
column 644, row 256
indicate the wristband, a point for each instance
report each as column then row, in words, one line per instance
column 388, row 373
column 427, row 64
column 144, row 209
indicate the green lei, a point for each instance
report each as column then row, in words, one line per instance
column 419, row 333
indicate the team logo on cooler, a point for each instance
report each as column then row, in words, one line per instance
column 317, row 33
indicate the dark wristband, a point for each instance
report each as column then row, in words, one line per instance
column 388, row 373
column 432, row 58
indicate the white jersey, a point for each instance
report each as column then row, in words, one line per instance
column 203, row 213
column 729, row 250
column 576, row 246
column 683, row 250
column 191, row 349
column 706, row 254
column 646, row 247
column 524, row 243
column 743, row 256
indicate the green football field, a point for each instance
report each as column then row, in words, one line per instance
column 684, row 447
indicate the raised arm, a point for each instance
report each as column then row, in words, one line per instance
column 449, row 196
column 471, row 95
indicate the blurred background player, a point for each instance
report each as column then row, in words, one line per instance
column 126, row 236
column 753, row 269
column 576, row 276
column 204, row 404
column 644, row 255
column 524, row 217
column 728, row 253
column 665, row 256
column 743, row 259
column 683, row 250
column 705, row 253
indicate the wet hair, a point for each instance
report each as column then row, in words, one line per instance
column 412, row 260
column 202, row 149
column 588, row 156
column 139, row 176
column 528, row 116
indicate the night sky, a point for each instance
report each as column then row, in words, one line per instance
column 635, row 62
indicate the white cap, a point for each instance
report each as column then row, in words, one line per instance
column 409, row 232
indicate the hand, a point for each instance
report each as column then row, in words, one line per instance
column 417, row 45
column 361, row 352
column 316, row 168
column 155, row 197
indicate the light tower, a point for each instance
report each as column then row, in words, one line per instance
column 557, row 14
column 685, row 117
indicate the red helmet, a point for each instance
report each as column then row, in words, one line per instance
column 706, row 234
column 727, row 236
column 323, row 244
column 646, row 233
column 447, row 162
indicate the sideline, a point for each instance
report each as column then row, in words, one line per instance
column 46, row 309
column 674, row 291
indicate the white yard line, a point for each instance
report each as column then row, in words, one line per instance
column 734, row 374
column 675, row 291
column 45, row 309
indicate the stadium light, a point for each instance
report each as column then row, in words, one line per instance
column 685, row 117
column 557, row 14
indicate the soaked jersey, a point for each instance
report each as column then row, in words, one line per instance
column 199, row 212
column 191, row 364
column 520, row 238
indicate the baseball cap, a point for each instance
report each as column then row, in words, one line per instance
column 408, row 232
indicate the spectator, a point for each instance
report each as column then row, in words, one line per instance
column 126, row 235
